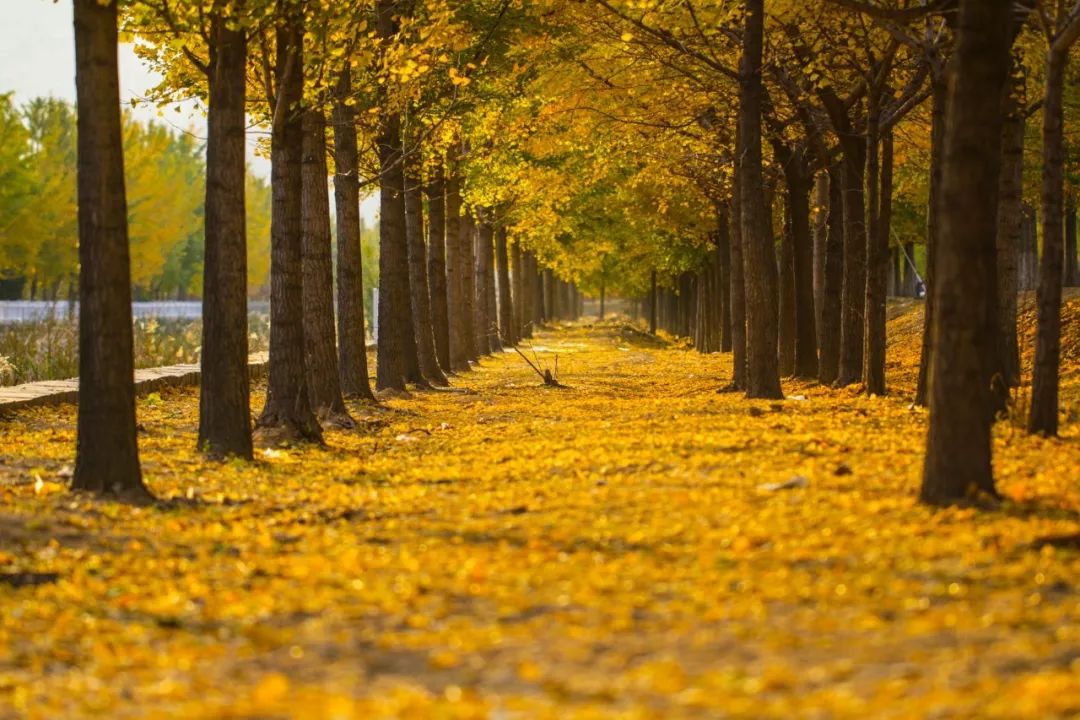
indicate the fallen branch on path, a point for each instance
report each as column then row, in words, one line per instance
column 550, row 380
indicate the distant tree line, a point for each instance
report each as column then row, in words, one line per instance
column 165, row 173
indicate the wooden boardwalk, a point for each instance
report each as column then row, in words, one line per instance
column 147, row 380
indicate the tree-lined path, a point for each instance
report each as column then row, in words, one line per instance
column 633, row 545
column 726, row 363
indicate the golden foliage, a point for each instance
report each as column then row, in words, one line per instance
column 609, row 550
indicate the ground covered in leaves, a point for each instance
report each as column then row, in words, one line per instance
column 636, row 545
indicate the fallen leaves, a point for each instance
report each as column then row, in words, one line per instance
column 640, row 547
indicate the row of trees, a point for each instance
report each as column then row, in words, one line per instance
column 522, row 150
column 164, row 172
column 798, row 138
column 438, row 310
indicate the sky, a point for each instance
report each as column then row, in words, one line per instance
column 37, row 58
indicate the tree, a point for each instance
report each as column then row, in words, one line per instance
column 1061, row 36
column 321, row 357
column 436, row 227
column 352, row 338
column 458, row 338
column 224, row 400
column 420, row 294
column 958, row 450
column 508, row 330
column 107, row 454
column 287, row 413
column 762, row 371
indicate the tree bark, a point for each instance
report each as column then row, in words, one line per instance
column 939, row 94
column 653, row 303
column 323, row 375
column 534, row 301
column 1010, row 226
column 455, row 271
column 352, row 337
column 548, row 283
column 879, row 177
column 224, row 388
column 853, row 301
column 107, row 453
column 1045, row 381
column 467, row 239
column 491, row 309
column 885, row 211
column 786, row 277
column 829, row 355
column 440, row 318
column 821, row 228
column 799, row 181
column 759, row 257
column 737, row 293
column 1072, row 270
column 506, row 297
column 1029, row 248
column 419, row 292
column 723, row 261
column 958, row 452
column 909, row 285
column 395, row 315
column 287, row 414
column 518, row 283
column 482, row 274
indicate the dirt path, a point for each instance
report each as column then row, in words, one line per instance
column 617, row 548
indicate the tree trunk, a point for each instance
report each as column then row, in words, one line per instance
column 517, row 283
column 420, row 295
column 506, row 298
column 939, row 94
column 737, row 293
column 1029, row 248
column 490, row 294
column 786, row 277
column 548, row 284
column 759, row 257
column 885, row 218
column 879, row 175
column 352, row 338
column 1045, row 381
column 723, row 279
column 853, row 301
column 323, row 375
column 1009, row 228
column 224, row 388
column 909, row 285
column 1072, row 270
column 685, row 304
column 821, row 228
column 534, row 315
column 287, row 414
column 832, row 294
column 958, row 452
column 467, row 238
column 455, row 271
column 440, row 319
column 107, row 453
column 395, row 315
column 653, row 303
column 799, row 180
column 482, row 323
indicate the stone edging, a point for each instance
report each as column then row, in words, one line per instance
column 147, row 380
